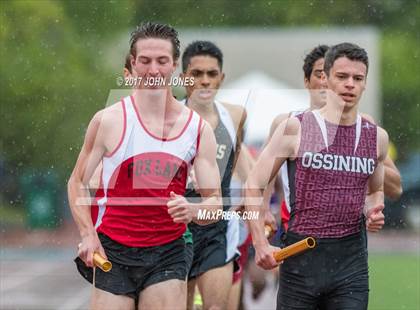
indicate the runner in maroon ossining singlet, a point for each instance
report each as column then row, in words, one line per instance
column 314, row 81
column 332, row 163
column 328, row 181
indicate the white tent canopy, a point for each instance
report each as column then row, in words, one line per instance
column 264, row 98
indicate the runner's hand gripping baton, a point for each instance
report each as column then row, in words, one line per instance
column 295, row 248
column 100, row 261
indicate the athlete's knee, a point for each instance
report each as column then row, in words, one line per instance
column 215, row 300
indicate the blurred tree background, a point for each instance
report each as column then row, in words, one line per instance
column 53, row 78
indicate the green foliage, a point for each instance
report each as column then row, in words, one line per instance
column 53, row 78
column 99, row 20
column 51, row 85
column 401, row 93
column 397, row 20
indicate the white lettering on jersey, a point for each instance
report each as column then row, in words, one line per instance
column 340, row 162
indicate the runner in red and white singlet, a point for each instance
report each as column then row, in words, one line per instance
column 147, row 143
column 137, row 179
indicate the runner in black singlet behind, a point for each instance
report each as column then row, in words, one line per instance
column 215, row 245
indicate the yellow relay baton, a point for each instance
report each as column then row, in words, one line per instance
column 295, row 248
column 100, row 261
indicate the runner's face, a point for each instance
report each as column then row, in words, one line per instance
column 316, row 83
column 317, row 79
column 207, row 78
column 154, row 59
column 347, row 79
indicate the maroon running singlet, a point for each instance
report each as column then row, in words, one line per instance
column 328, row 179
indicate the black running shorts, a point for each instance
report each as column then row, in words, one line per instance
column 134, row 269
column 333, row 275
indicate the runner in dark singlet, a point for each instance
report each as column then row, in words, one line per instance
column 335, row 156
column 314, row 80
column 215, row 245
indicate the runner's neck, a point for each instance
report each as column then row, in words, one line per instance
column 337, row 115
column 157, row 102
column 202, row 109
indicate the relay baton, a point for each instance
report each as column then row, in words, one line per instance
column 295, row 248
column 100, row 262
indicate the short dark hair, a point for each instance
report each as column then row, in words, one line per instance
column 310, row 59
column 198, row 48
column 158, row 31
column 348, row 50
column 127, row 63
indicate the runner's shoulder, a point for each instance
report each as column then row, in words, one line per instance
column 291, row 122
column 382, row 134
column 383, row 142
column 237, row 112
column 278, row 119
column 369, row 118
column 108, row 116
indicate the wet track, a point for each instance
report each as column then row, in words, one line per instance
column 45, row 277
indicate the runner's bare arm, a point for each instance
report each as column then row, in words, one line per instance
column 244, row 163
column 208, row 184
column 268, row 217
column 78, row 192
column 392, row 181
column 375, row 198
column 276, row 122
column 392, row 178
column 207, row 174
column 242, row 169
column 282, row 145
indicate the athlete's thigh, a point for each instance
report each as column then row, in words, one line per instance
column 166, row 295
column 357, row 300
column 350, row 285
column 101, row 300
column 292, row 300
column 297, row 286
column 216, row 295
column 352, row 293
column 235, row 295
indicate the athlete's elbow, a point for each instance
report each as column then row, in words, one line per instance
column 73, row 182
column 394, row 193
column 70, row 184
column 74, row 185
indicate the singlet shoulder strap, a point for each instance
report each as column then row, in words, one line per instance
column 227, row 120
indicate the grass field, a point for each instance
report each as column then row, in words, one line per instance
column 394, row 282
